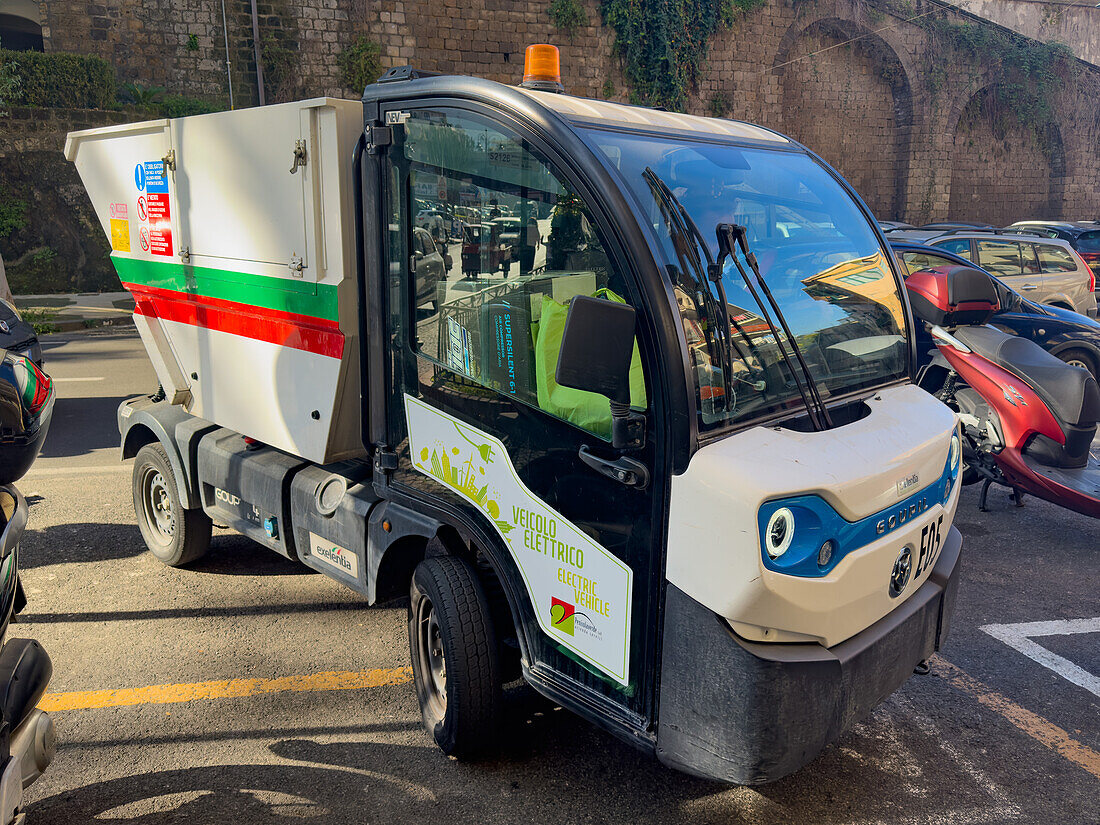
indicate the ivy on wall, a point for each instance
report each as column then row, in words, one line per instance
column 664, row 45
column 360, row 63
column 568, row 15
column 1026, row 73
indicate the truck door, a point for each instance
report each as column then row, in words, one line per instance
column 476, row 416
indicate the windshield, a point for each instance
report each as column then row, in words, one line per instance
column 815, row 250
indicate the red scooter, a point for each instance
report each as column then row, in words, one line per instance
column 1029, row 419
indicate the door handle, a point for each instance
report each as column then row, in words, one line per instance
column 624, row 470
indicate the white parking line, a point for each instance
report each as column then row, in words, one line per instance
column 1019, row 636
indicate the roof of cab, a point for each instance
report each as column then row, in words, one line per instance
column 639, row 117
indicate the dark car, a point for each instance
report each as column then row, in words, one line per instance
column 893, row 226
column 1069, row 335
column 16, row 335
column 1083, row 236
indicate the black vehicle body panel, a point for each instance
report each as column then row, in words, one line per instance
column 709, row 673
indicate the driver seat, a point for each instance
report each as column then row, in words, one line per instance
column 1071, row 393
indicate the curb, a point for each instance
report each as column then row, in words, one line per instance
column 86, row 324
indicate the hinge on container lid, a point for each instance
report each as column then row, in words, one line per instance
column 377, row 137
column 170, row 160
column 299, row 156
column 385, row 461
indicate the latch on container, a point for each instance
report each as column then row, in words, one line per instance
column 185, row 254
column 296, row 266
column 299, row 156
column 170, row 160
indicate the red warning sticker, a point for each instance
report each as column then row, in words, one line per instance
column 160, row 223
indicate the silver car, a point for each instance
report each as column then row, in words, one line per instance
column 1044, row 270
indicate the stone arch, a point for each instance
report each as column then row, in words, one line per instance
column 20, row 25
column 852, row 103
column 1002, row 170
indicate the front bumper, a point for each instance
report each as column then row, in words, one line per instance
column 749, row 712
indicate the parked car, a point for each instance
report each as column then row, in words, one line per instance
column 894, row 226
column 429, row 267
column 1083, row 236
column 1069, row 335
column 16, row 335
column 1046, row 270
column 942, row 225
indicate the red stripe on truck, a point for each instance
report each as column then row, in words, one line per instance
column 286, row 329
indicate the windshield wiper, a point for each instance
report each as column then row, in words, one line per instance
column 716, row 332
column 730, row 234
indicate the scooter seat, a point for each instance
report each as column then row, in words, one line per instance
column 1071, row 393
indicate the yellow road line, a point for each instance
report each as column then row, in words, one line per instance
column 1030, row 723
column 171, row 694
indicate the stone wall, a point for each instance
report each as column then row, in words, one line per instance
column 877, row 95
column 1073, row 22
column 50, row 238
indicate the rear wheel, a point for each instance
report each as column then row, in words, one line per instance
column 1080, row 358
column 174, row 535
column 456, row 669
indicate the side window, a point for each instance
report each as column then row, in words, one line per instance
column 1000, row 257
column 1029, row 259
column 517, row 246
column 916, row 261
column 1055, row 259
column 960, row 246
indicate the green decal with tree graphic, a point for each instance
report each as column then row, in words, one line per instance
column 580, row 591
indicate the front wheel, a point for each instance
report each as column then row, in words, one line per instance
column 456, row 669
column 174, row 535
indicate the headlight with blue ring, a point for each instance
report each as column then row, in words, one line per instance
column 804, row 536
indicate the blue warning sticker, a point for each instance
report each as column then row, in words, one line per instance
column 151, row 176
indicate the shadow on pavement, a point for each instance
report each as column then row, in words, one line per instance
column 81, row 425
column 555, row 768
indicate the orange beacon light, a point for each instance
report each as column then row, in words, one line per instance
column 542, row 68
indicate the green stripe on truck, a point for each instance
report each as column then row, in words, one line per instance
column 283, row 294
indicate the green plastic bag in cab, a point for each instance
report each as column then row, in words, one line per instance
column 588, row 410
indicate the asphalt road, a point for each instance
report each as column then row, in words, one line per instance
column 991, row 736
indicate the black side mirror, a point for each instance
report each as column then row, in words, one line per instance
column 596, row 346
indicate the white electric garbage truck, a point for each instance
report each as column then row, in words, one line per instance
column 619, row 399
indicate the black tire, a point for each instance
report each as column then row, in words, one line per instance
column 1080, row 358
column 174, row 535
column 456, row 669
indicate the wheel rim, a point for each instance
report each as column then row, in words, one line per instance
column 433, row 662
column 1077, row 362
column 156, row 505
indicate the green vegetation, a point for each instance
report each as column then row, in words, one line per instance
column 279, row 52
column 138, row 94
column 664, row 45
column 9, row 85
column 568, row 15
column 608, row 90
column 57, row 79
column 1026, row 73
column 37, row 272
column 41, row 319
column 360, row 63
column 13, row 214
column 192, row 42
column 719, row 105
